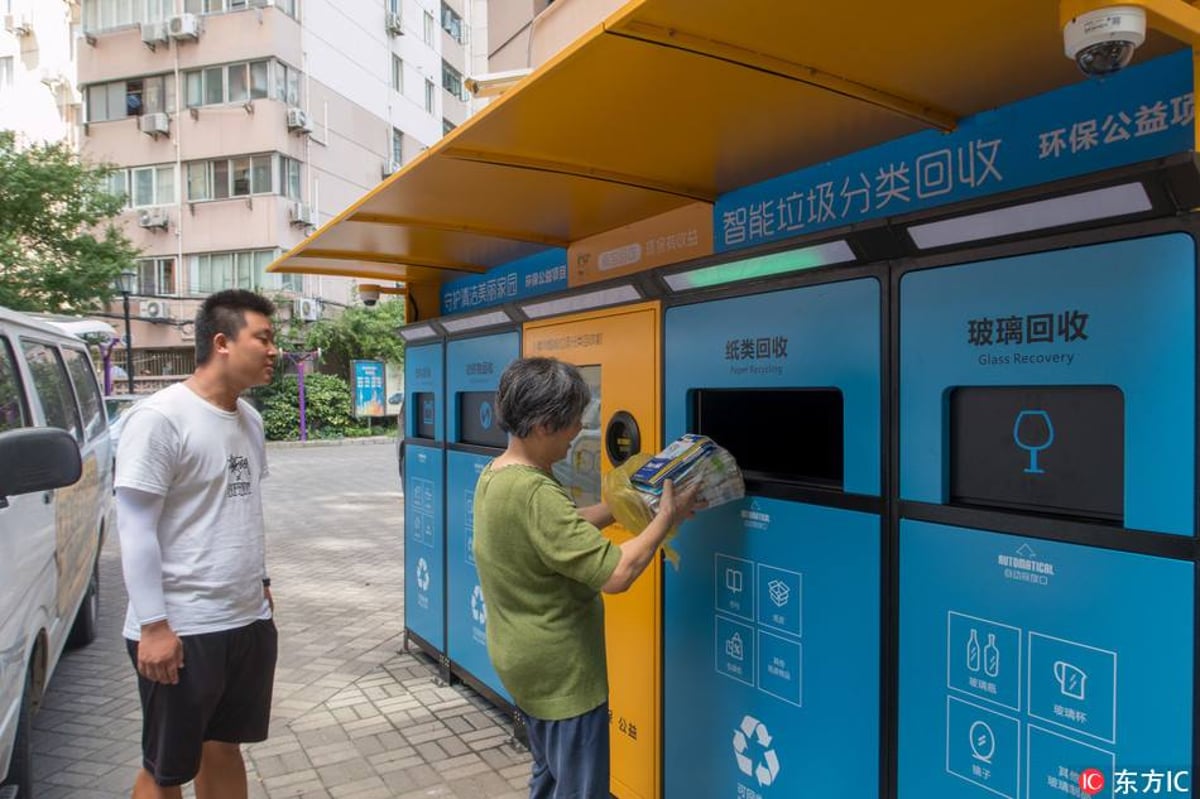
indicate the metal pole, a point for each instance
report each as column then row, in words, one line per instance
column 107, row 349
column 303, row 409
column 128, row 343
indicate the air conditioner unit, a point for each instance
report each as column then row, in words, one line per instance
column 157, row 124
column 391, row 167
column 154, row 33
column 153, row 218
column 298, row 121
column 394, row 24
column 156, row 309
column 184, row 26
column 300, row 214
column 18, row 24
column 306, row 308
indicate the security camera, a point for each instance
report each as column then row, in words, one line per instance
column 1102, row 41
column 369, row 294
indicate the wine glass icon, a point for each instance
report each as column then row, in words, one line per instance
column 1034, row 432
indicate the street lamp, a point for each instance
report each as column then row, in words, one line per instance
column 125, row 283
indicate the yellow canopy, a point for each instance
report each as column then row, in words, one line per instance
column 673, row 101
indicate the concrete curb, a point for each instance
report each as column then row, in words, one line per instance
column 331, row 442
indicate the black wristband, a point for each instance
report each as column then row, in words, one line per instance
column 266, row 582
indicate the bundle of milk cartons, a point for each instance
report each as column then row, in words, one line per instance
column 691, row 460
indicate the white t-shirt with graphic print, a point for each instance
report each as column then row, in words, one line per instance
column 208, row 465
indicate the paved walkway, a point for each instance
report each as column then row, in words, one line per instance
column 353, row 717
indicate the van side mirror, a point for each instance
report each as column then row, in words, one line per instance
column 37, row 459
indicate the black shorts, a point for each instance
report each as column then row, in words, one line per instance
column 223, row 694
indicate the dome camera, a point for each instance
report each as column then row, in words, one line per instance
column 369, row 294
column 1102, row 41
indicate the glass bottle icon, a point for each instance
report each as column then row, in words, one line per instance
column 973, row 651
column 1033, row 432
column 991, row 657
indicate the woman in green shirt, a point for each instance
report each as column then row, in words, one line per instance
column 542, row 565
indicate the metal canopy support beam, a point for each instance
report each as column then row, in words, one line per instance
column 709, row 48
column 454, row 227
column 380, row 258
column 358, row 273
column 578, row 171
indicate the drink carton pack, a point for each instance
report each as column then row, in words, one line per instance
column 689, row 460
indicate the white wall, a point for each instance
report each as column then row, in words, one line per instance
column 42, row 103
column 348, row 50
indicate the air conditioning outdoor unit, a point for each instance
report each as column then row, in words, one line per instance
column 18, row 24
column 156, row 309
column 153, row 218
column 154, row 33
column 306, row 308
column 394, row 24
column 300, row 214
column 298, row 121
column 156, row 124
column 184, row 26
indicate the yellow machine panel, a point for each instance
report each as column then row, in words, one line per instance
column 618, row 351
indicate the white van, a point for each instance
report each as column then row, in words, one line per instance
column 56, row 504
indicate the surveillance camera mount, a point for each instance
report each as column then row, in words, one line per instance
column 1176, row 18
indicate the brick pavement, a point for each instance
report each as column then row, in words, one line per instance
column 353, row 718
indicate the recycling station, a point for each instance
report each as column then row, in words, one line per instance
column 473, row 367
column 424, row 495
column 744, row 625
column 955, row 359
column 1016, row 456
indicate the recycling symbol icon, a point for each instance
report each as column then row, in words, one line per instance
column 478, row 607
column 752, row 748
column 422, row 575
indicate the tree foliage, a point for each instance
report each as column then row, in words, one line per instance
column 359, row 333
column 59, row 249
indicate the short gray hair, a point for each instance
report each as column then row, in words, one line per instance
column 540, row 391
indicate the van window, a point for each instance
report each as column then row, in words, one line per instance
column 12, row 404
column 86, row 390
column 50, row 383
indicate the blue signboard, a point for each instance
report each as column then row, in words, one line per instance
column 1141, row 113
column 537, row 274
column 1109, row 330
column 370, row 389
column 473, row 369
column 1026, row 663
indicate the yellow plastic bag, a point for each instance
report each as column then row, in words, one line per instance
column 626, row 504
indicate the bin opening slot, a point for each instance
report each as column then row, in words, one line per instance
column 425, row 422
column 793, row 435
column 477, row 422
column 1043, row 449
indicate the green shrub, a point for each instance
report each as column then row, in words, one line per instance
column 327, row 400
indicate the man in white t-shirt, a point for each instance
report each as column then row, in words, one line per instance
column 199, row 627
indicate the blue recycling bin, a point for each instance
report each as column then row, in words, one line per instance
column 424, row 498
column 772, row 620
column 473, row 368
column 1047, row 460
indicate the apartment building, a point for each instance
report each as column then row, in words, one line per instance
column 524, row 34
column 39, row 95
column 239, row 125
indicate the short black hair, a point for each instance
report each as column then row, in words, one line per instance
column 540, row 391
column 224, row 312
